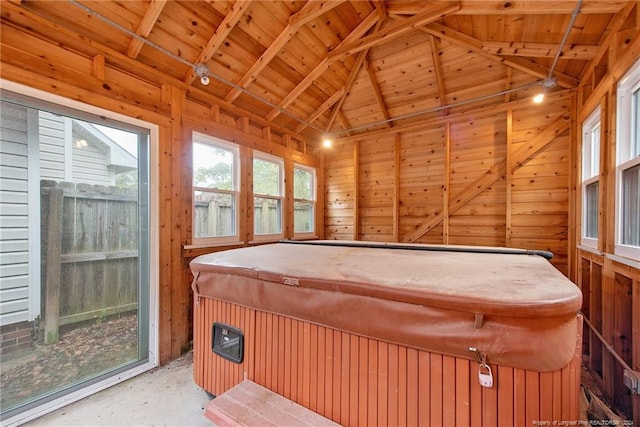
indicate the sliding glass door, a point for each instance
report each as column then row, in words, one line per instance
column 74, row 251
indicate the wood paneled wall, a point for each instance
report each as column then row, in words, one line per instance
column 359, row 381
column 496, row 178
column 610, row 284
column 102, row 77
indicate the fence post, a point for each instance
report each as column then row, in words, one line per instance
column 53, row 265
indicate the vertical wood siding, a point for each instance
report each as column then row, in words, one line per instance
column 516, row 202
column 376, row 189
column 362, row 381
column 340, row 187
column 422, row 178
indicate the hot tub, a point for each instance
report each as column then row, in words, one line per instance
column 388, row 334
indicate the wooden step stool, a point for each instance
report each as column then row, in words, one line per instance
column 250, row 404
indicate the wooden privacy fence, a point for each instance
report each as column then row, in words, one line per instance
column 89, row 253
column 215, row 217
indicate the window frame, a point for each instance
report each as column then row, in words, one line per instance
column 201, row 138
column 313, row 201
column 259, row 155
column 628, row 89
column 590, row 171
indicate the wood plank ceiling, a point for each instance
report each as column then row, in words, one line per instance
column 335, row 66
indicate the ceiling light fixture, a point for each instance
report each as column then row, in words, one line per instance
column 326, row 141
column 550, row 82
column 202, row 71
column 547, row 84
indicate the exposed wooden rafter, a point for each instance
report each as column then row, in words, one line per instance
column 146, row 25
column 376, row 90
column 390, row 32
column 347, row 86
column 358, row 32
column 310, row 11
column 324, row 107
column 475, row 7
column 381, row 8
column 475, row 45
column 540, row 50
column 435, row 56
column 344, row 122
column 219, row 36
column 508, row 84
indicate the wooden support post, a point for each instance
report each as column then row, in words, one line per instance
column 243, row 124
column 574, row 199
column 396, row 188
column 595, row 315
column 446, row 184
column 608, row 362
column 607, row 226
column 508, row 179
column 320, row 197
column 52, row 280
column 289, row 205
column 246, row 208
column 356, row 190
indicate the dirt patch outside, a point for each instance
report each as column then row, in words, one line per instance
column 80, row 354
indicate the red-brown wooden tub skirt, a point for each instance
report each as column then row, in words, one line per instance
column 380, row 336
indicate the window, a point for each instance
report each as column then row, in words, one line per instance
column 215, row 190
column 304, row 196
column 590, row 178
column 268, row 189
column 628, row 165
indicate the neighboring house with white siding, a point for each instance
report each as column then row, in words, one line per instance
column 36, row 145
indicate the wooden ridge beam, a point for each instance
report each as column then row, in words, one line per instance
column 432, row 13
column 475, row 45
column 219, row 36
column 519, row 157
column 309, row 11
column 146, row 25
column 358, row 32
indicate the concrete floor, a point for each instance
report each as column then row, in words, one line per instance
column 166, row 396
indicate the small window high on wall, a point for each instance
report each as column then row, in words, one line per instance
column 590, row 178
column 304, row 204
column 268, row 194
column 628, row 165
column 215, row 190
